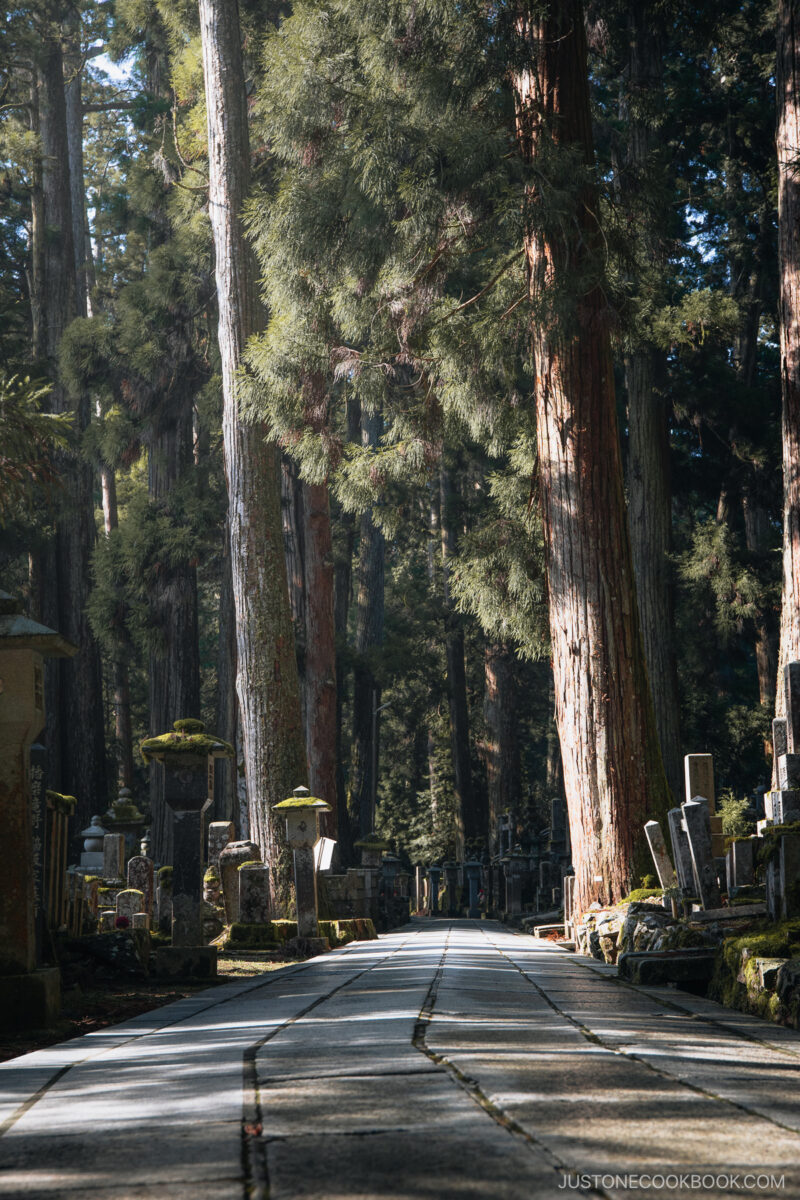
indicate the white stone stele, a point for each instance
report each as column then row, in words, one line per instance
column 129, row 902
column 699, row 777
column 141, row 920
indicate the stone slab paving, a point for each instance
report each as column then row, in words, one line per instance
column 448, row 1059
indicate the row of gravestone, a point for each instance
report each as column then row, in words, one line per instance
column 704, row 866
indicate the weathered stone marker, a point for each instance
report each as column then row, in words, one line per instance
column 185, row 753
column 658, row 848
column 114, row 856
column 699, row 776
column 93, row 834
column 129, row 902
column 140, row 876
column 515, row 864
column 254, row 904
column 27, row 996
column 450, row 884
column 219, row 834
column 233, row 856
column 302, row 812
column 780, row 743
column 791, row 689
column 788, row 771
column 698, row 830
column 740, row 864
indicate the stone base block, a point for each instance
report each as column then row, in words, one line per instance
column 659, row 967
column 308, row 947
column 30, row 1001
column 186, row 962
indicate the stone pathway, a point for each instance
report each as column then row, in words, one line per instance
column 446, row 1060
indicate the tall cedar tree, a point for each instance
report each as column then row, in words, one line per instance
column 266, row 674
column 613, row 774
column 788, row 146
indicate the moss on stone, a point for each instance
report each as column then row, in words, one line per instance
column 188, row 738
column 61, row 803
column 296, row 802
column 211, row 875
column 189, row 725
column 251, row 862
column 640, row 894
column 771, row 841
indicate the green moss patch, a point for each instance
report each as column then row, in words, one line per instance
column 188, row 739
column 60, row 803
column 640, row 894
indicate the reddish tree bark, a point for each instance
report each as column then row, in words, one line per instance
column 613, row 774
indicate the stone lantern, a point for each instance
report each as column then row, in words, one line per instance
column 187, row 754
column 302, row 812
column 28, row 996
column 92, row 856
column 124, row 817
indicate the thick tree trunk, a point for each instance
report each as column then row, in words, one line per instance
column 225, row 769
column 266, row 675
column 320, row 660
column 502, row 744
column 123, row 729
column 369, row 634
column 471, row 823
column 293, row 517
column 788, row 141
column 75, row 731
column 174, row 664
column 613, row 774
column 649, row 488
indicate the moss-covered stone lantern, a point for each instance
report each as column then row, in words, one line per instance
column 187, row 754
column 27, row 996
column 302, row 813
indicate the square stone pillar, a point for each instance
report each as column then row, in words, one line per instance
column 302, row 812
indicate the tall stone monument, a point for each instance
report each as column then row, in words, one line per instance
column 27, row 996
column 186, row 752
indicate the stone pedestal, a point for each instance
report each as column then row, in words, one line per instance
column 31, row 1000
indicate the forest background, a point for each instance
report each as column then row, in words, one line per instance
column 392, row 361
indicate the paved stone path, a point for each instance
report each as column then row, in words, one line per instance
column 446, row 1060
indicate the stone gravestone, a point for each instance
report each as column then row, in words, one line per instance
column 140, row 876
column 658, row 848
column 254, row 905
column 791, row 688
column 740, row 864
column 780, row 744
column 114, row 856
column 434, row 875
column 230, row 859
column 699, row 775
column 129, row 902
column 698, row 830
column 219, row 834
column 472, row 870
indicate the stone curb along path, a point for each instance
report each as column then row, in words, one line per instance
column 447, row 1059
